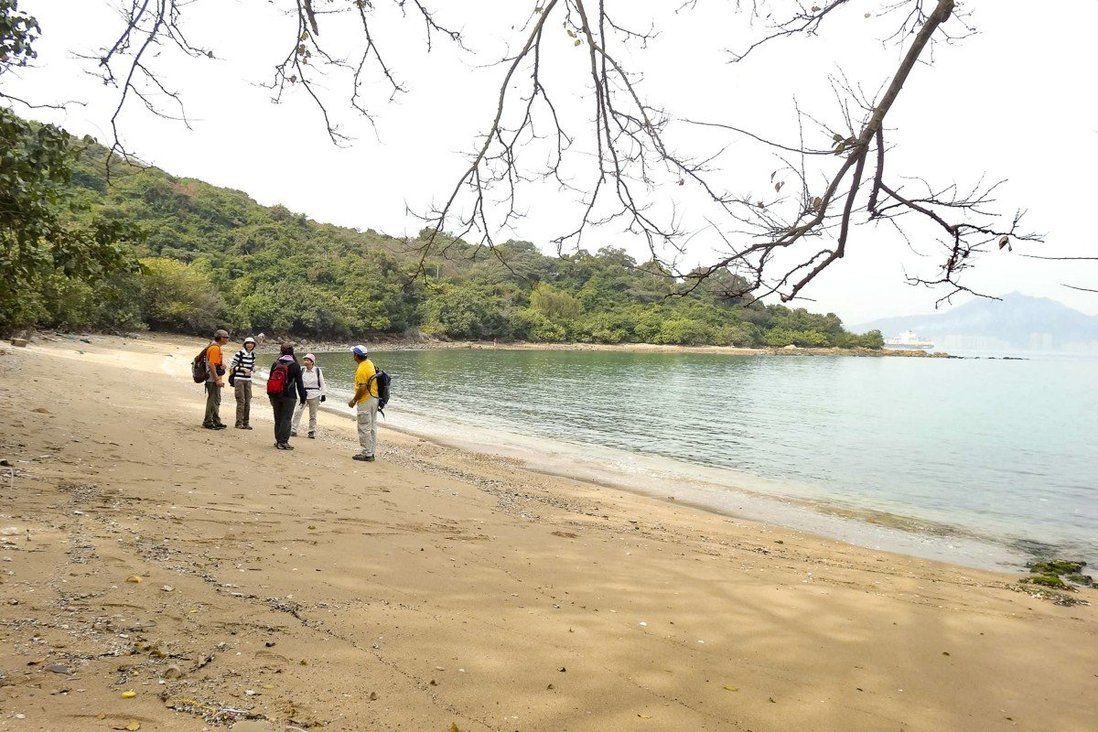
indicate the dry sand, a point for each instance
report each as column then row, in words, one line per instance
column 438, row 587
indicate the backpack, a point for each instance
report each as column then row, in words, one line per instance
column 276, row 382
column 383, row 379
column 200, row 370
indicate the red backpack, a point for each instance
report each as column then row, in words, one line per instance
column 276, row 382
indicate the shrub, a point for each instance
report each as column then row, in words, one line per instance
column 177, row 296
column 554, row 304
column 686, row 333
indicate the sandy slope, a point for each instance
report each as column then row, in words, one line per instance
column 437, row 587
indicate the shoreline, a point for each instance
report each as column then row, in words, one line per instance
column 711, row 490
column 398, row 343
column 651, row 348
column 224, row 582
column 860, row 526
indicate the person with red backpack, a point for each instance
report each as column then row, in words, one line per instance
column 285, row 388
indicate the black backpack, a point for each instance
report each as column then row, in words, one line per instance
column 383, row 380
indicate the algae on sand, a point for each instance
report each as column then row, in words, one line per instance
column 1057, row 567
column 1046, row 580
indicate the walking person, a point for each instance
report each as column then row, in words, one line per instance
column 240, row 378
column 215, row 372
column 365, row 401
column 315, row 393
column 284, row 387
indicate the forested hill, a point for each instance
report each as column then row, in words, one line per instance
column 212, row 256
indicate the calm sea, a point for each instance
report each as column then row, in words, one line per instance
column 1005, row 451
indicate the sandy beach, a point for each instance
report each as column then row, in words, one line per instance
column 228, row 584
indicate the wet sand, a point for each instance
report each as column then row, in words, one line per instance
column 443, row 587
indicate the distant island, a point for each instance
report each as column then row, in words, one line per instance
column 209, row 257
column 1016, row 321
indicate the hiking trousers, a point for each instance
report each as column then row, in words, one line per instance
column 243, row 402
column 367, row 425
column 213, row 405
column 313, row 403
column 283, row 417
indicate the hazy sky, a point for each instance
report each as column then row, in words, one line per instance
column 1011, row 102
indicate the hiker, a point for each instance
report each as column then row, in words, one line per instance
column 215, row 370
column 284, row 387
column 240, row 378
column 315, row 393
column 366, row 401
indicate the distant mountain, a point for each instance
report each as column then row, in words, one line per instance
column 1018, row 320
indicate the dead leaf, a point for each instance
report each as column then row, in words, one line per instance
column 134, row 579
column 129, row 694
column 731, row 688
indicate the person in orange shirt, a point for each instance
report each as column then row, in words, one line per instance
column 215, row 380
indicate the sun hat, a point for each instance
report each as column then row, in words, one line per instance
column 249, row 339
column 310, row 357
column 360, row 351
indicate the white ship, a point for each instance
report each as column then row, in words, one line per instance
column 908, row 340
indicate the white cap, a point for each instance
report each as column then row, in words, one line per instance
column 360, row 350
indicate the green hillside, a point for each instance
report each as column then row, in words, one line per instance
column 211, row 256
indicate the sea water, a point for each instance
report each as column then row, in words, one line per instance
column 1005, row 451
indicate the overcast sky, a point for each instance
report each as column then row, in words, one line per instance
column 1013, row 102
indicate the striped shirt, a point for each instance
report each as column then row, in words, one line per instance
column 243, row 364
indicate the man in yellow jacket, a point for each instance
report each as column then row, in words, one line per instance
column 365, row 400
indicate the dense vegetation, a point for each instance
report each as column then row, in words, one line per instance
column 209, row 256
column 42, row 248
